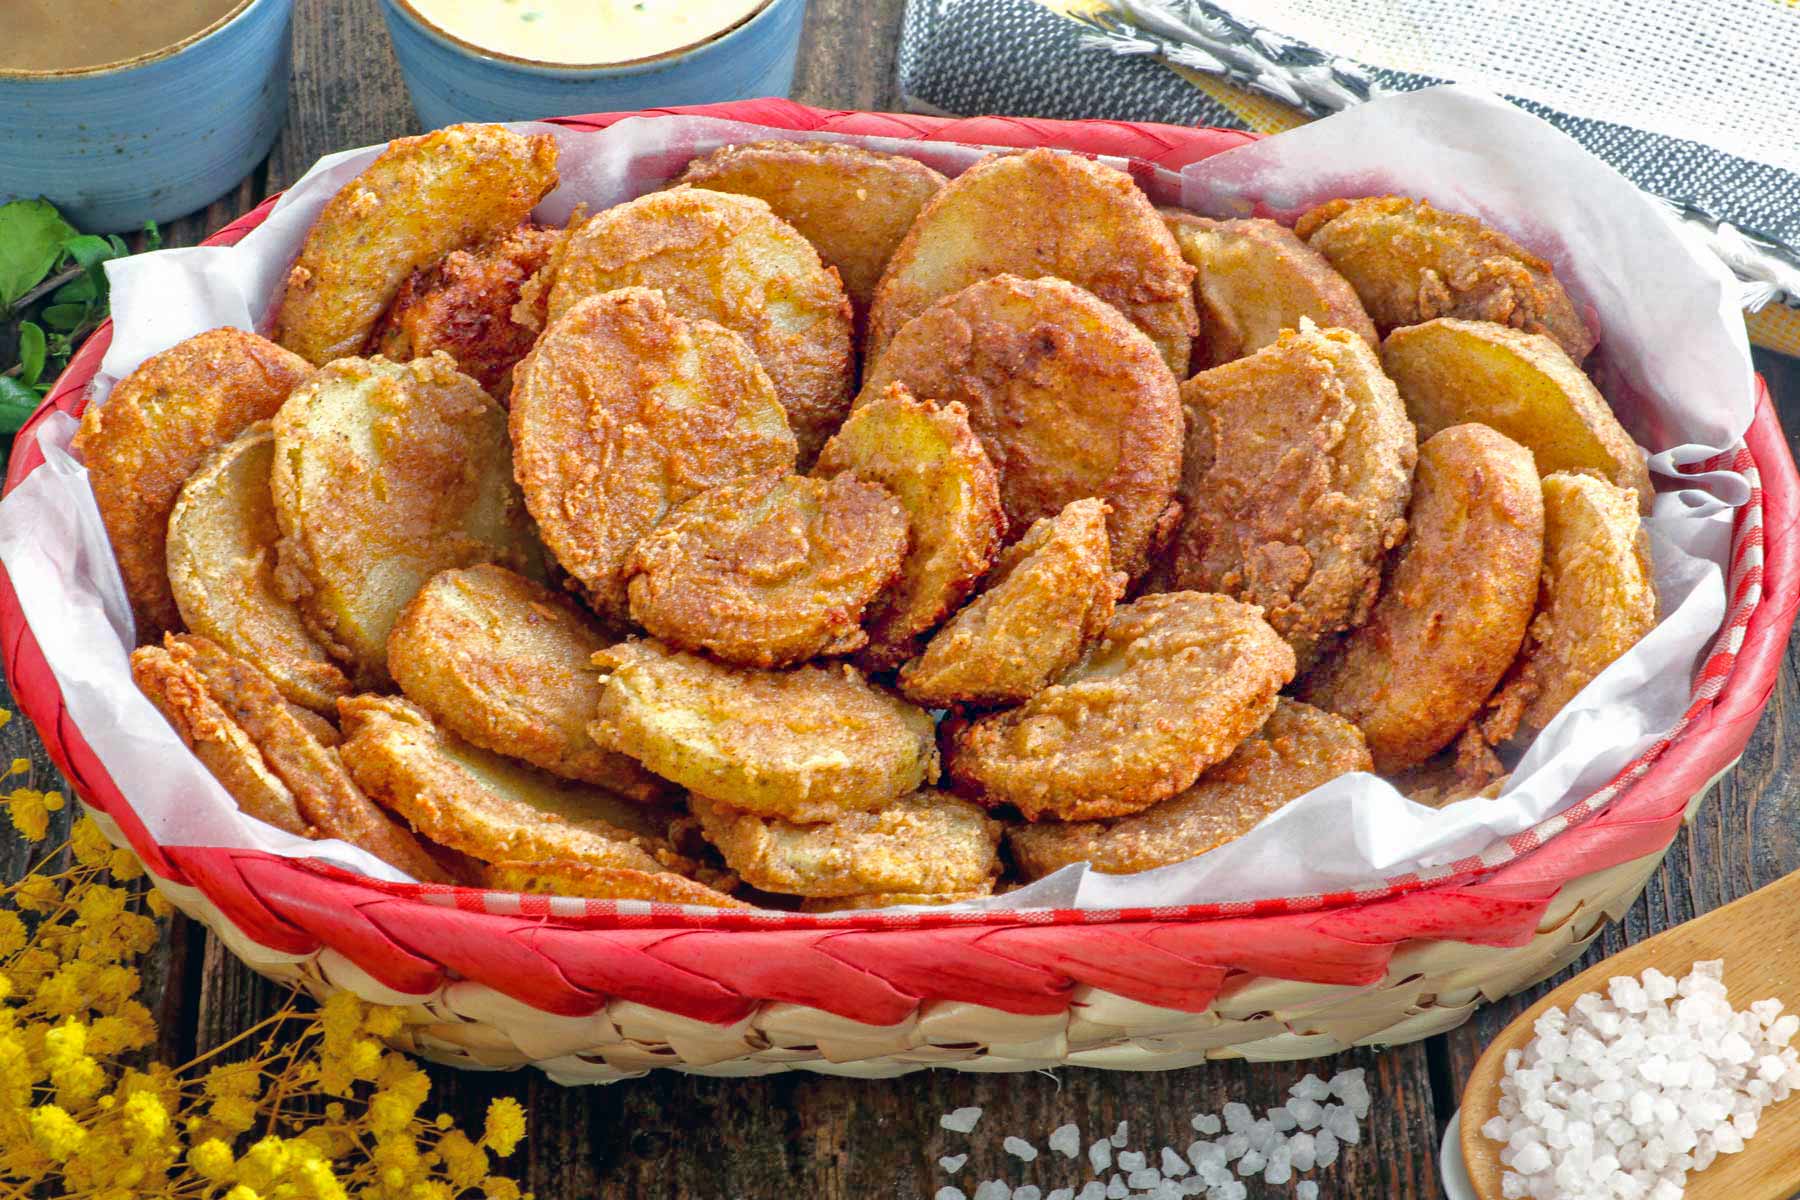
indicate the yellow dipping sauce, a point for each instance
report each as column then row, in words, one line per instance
column 583, row 31
column 60, row 35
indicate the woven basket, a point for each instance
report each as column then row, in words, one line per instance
column 593, row 991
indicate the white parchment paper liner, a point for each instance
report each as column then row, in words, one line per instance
column 1674, row 360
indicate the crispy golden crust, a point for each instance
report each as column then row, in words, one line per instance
column 561, row 877
column 929, row 457
column 1445, row 778
column 831, row 904
column 1596, row 599
column 927, row 842
column 727, row 259
column 1050, row 595
column 328, row 800
column 1255, row 278
column 463, row 305
column 505, row 663
column 1454, row 606
column 421, row 199
column 483, row 805
column 158, row 425
column 384, row 475
column 770, row 570
column 853, row 205
column 1410, row 262
column 805, row 744
column 1036, row 213
column 221, row 552
column 1177, row 681
column 623, row 411
column 1068, row 400
column 1298, row 468
column 1298, row 749
column 1522, row 384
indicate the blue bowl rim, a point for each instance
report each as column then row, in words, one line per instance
column 633, row 66
column 237, row 13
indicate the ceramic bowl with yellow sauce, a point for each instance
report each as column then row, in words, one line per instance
column 122, row 112
column 505, row 60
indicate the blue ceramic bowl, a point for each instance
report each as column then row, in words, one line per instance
column 154, row 137
column 452, row 80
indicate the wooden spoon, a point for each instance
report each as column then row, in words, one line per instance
column 1759, row 939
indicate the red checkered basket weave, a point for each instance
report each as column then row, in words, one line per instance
column 1093, row 970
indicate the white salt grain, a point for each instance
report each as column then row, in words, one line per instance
column 1029, row 1191
column 1066, row 1140
column 1019, row 1148
column 961, row 1121
column 1146, row 1177
column 950, row 1193
column 1093, row 1190
column 1120, row 1134
column 1237, row 1117
column 1306, row 1189
column 1100, row 1156
column 1173, row 1165
column 994, row 1189
column 1116, row 1189
column 1131, row 1160
column 1206, row 1123
column 1062, row 1194
column 952, row 1163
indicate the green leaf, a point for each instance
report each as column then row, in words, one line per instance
column 89, row 251
column 119, row 248
column 31, row 352
column 65, row 317
column 152, row 236
column 32, row 234
column 77, row 291
column 17, row 403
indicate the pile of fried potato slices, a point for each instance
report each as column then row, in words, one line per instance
column 820, row 533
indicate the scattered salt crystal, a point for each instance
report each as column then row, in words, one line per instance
column 1116, row 1189
column 1237, row 1117
column 1100, row 1156
column 1325, row 1148
column 1283, row 1119
column 950, row 1193
column 1131, row 1160
column 1306, row 1189
column 1173, row 1165
column 1019, row 1148
column 1029, row 1191
column 1252, row 1162
column 1066, row 1140
column 952, row 1163
column 1303, row 1150
column 1205, row 1154
column 1093, row 1190
column 1234, row 1145
column 961, row 1121
column 994, row 1189
column 1206, row 1123
column 1311, row 1087
column 1120, row 1134
column 1145, row 1177
column 1305, row 1112
column 1064, row 1194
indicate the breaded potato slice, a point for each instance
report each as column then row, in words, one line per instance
column 155, row 429
column 1255, row 278
column 483, row 805
column 770, row 570
column 1034, row 213
column 463, row 305
column 927, row 842
column 1298, row 749
column 1454, row 606
column 624, row 410
column 1451, row 371
column 1440, row 781
column 1410, row 262
column 385, row 474
column 1048, row 598
column 805, row 744
column 727, row 259
column 221, row 550
column 1176, row 682
column 1068, row 399
column 1298, row 467
column 1597, row 598
column 327, row 799
column 831, row 904
column 424, row 197
column 504, row 662
column 563, row 877
column 927, row 455
column 853, row 205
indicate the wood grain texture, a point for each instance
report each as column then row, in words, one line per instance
column 675, row 1137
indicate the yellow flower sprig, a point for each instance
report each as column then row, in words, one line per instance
column 308, row 1104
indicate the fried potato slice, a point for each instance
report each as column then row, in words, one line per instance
column 1049, row 596
column 1177, row 681
column 385, row 474
column 503, row 662
column 1069, row 401
column 1036, row 213
column 1410, row 262
column 1298, row 467
column 769, row 570
column 727, row 259
column 1596, row 599
column 1298, row 749
column 853, row 205
column 562, row 877
column 486, row 806
column 831, row 904
column 463, row 305
column 623, row 411
column 805, row 744
column 927, row 842
column 927, row 455
column 1451, row 371
column 1454, row 606
column 155, row 429
column 421, row 199
column 1255, row 278
column 221, row 553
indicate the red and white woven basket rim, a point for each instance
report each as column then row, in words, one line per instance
column 566, row 955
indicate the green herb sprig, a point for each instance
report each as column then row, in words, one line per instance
column 52, row 295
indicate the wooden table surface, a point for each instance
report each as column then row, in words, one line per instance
column 801, row 1135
